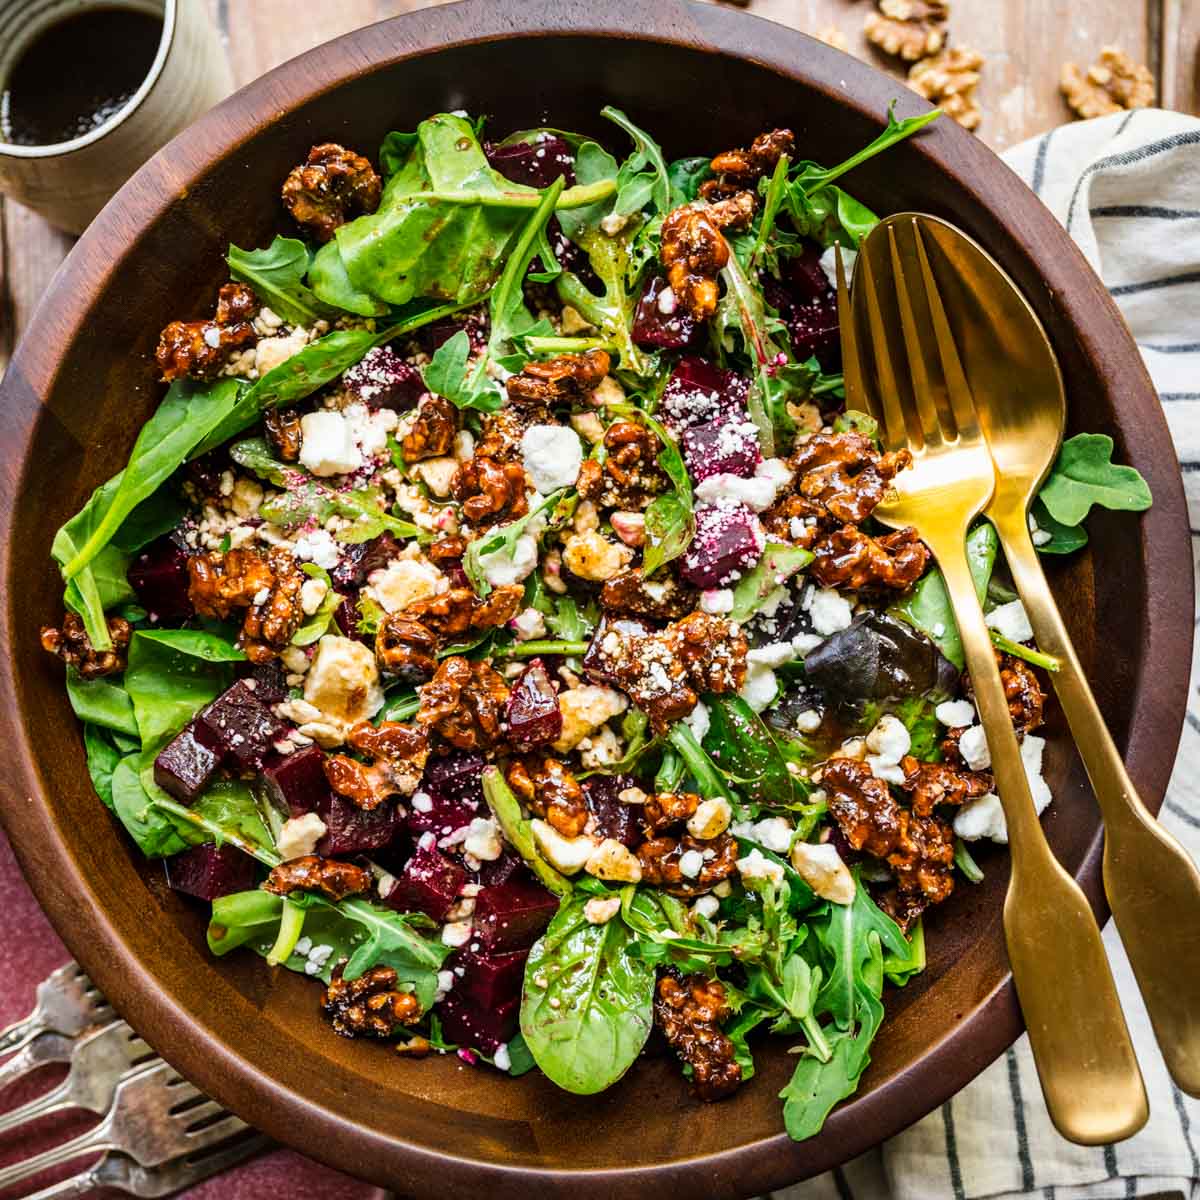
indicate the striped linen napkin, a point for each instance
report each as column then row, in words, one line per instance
column 1127, row 188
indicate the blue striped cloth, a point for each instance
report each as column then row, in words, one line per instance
column 1127, row 188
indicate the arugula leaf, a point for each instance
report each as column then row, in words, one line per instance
column 1064, row 539
column 332, row 287
column 1084, row 474
column 277, row 276
column 502, row 542
column 928, row 607
column 709, row 779
column 685, row 176
column 772, row 202
column 507, row 811
column 448, row 375
column 103, row 702
column 310, row 499
column 670, row 518
column 743, row 748
column 642, row 179
column 779, row 562
column 587, row 1025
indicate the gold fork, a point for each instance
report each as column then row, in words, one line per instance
column 1085, row 1060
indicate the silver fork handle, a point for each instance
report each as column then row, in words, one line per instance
column 21, row 1033
column 86, row 1183
column 93, row 1140
column 55, row 1100
column 48, row 1048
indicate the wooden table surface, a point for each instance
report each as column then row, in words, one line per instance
column 1025, row 43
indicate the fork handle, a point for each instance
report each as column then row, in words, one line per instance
column 86, row 1183
column 1152, row 884
column 48, row 1048
column 95, row 1139
column 21, row 1033
column 55, row 1100
column 1085, row 1060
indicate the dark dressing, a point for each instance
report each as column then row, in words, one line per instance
column 76, row 75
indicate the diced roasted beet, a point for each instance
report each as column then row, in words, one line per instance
column 535, row 164
column 814, row 330
column 533, row 715
column 614, row 819
column 436, row 333
column 347, row 616
column 726, row 446
column 241, row 724
column 488, row 980
column 382, row 379
column 804, row 276
column 656, row 327
column 699, row 391
column 186, row 764
column 359, row 560
column 729, row 540
column 807, row 305
column 596, row 657
column 210, row 871
column 486, row 1029
column 502, row 869
column 270, row 681
column 159, row 576
column 296, row 782
column 351, row 830
column 456, row 776
column 430, row 883
column 512, row 916
column 432, row 812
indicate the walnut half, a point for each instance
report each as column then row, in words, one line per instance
column 909, row 29
column 949, row 80
column 1113, row 83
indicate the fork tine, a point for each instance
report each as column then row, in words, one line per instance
column 892, row 427
column 197, row 1113
column 962, row 403
column 852, row 383
column 218, row 1132
column 927, row 414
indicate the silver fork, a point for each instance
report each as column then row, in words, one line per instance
column 124, row 1175
column 156, row 1116
column 46, row 1048
column 67, row 1003
column 97, row 1064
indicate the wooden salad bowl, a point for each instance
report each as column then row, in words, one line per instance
column 82, row 382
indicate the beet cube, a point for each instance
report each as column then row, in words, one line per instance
column 360, row 559
column 483, row 1029
column 727, row 446
column 729, row 540
column 210, row 871
column 662, row 324
column 351, row 830
column 614, row 818
column 296, row 782
column 488, row 980
column 698, row 391
column 804, row 276
column 814, row 330
column 159, row 576
column 186, row 764
column 533, row 715
column 536, row 164
column 456, row 776
column 513, row 915
column 382, row 379
column 430, row 883
column 270, row 682
column 502, row 869
column 347, row 616
column 241, row 724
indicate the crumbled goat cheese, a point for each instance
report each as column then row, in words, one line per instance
column 698, row 720
column 710, row 819
column 955, row 713
column 1037, row 535
column 716, row 601
column 343, row 681
column 317, row 547
column 328, row 447
column 370, row 430
column 760, row 687
column 821, row 867
column 569, row 855
column 501, row 569
column 483, row 840
column 756, row 866
column 706, row 906
column 312, row 595
column 405, row 581
column 584, row 710
column 973, row 747
column 299, row 836
column 759, row 492
column 274, row 352
column 552, row 455
column 501, row 1058
column 600, row 749
column 828, row 262
column 529, row 624
column 1011, row 621
column 830, row 610
column 445, row 983
column 773, row 654
column 691, row 863
column 809, row 721
column 457, row 933
column 246, row 498
column 888, row 743
column 773, row 832
column 614, row 863
column 984, row 818
column 599, row 910
column 437, row 474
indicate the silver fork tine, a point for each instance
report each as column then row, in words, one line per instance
column 217, row 1132
column 892, row 427
column 67, row 1003
column 962, row 403
column 857, row 396
column 926, row 409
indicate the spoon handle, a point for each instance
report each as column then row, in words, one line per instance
column 1081, row 1045
column 1153, row 886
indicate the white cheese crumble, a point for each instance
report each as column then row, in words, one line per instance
column 328, row 447
column 760, row 686
column 821, row 867
column 698, row 720
column 343, row 681
column 1011, row 621
column 828, row 264
column 756, row 866
column 706, row 906
column 888, row 743
column 758, row 492
column 973, row 747
column 317, row 547
column 529, row 624
column 483, row 840
column 830, row 610
column 501, row 569
column 774, row 833
column 984, row 818
column 716, row 600
column 299, row 836
column 404, row 582
column 552, row 455
column 955, row 713
column 691, row 863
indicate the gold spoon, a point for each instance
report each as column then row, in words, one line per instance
column 1152, row 885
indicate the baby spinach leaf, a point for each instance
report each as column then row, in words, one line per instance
column 1064, row 539
column 101, row 702
column 593, row 166
column 743, row 748
column 277, row 276
column 197, row 643
column 331, row 285
column 154, row 832
column 642, row 178
column 1084, row 474
column 507, row 811
column 102, row 760
column 927, row 606
column 779, row 562
column 157, row 515
column 589, row 1022
column 685, row 176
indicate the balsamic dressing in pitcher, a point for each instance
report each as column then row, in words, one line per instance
column 76, row 75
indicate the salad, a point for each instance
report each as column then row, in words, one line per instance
column 490, row 622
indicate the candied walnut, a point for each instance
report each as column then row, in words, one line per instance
column 663, row 599
column 332, row 185
column 630, row 475
column 266, row 585
column 398, row 753
column 490, row 492
column 843, row 475
column 199, row 349
column 283, row 432
column 447, row 549
column 931, row 784
column 501, row 432
column 660, row 857
column 862, row 805
column 369, row 1006
column 664, row 809
column 712, row 651
column 949, row 80
column 311, row 873
column 693, row 251
column 736, row 170
column 549, row 790
column 689, row 1011
column 406, row 648
column 1112, row 83
column 1021, row 689
column 910, row 29
column 464, row 702
column 432, row 432
column 568, row 377
column 460, row 611
column 72, row 644
column 849, row 558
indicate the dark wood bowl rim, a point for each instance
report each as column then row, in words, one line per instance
column 44, row 849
